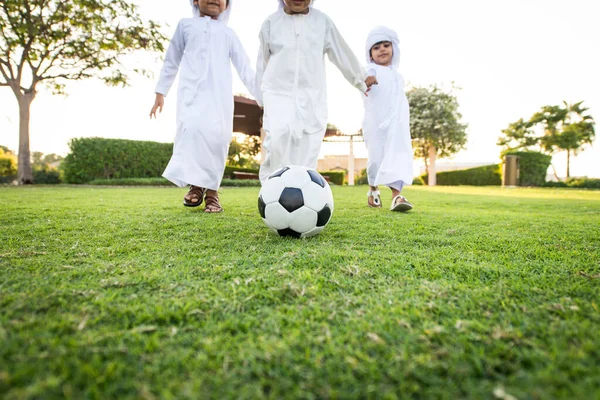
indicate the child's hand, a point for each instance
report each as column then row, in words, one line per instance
column 370, row 81
column 158, row 105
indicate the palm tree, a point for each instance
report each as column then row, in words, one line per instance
column 566, row 128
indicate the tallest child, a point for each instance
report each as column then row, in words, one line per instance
column 290, row 79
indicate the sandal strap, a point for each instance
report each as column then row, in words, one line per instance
column 197, row 190
column 213, row 202
column 373, row 193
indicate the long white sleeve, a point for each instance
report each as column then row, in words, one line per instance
column 262, row 61
column 172, row 61
column 241, row 62
column 344, row 59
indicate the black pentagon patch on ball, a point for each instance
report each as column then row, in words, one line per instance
column 291, row 199
column 323, row 216
column 261, row 206
column 317, row 178
column 289, row 232
column 278, row 173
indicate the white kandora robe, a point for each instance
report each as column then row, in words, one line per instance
column 202, row 50
column 386, row 126
column 290, row 79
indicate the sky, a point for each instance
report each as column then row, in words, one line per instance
column 509, row 58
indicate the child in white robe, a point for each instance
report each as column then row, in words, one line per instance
column 386, row 127
column 202, row 51
column 290, row 79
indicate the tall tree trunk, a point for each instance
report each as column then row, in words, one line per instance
column 431, row 172
column 568, row 164
column 25, row 173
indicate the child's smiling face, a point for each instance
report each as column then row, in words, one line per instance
column 382, row 53
column 298, row 6
column 212, row 8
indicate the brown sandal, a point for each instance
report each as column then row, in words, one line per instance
column 212, row 205
column 194, row 197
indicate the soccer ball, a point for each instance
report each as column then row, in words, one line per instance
column 296, row 201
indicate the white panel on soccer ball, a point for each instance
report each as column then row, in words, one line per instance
column 296, row 177
column 313, row 232
column 329, row 196
column 303, row 220
column 277, row 217
column 271, row 190
column 315, row 196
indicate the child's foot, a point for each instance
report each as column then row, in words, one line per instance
column 374, row 199
column 212, row 204
column 194, row 197
column 399, row 203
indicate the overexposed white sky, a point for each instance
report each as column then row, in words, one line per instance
column 509, row 57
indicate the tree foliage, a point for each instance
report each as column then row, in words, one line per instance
column 54, row 41
column 565, row 127
column 243, row 153
column 435, row 121
column 51, row 42
column 8, row 163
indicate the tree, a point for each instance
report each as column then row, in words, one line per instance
column 566, row 128
column 243, row 154
column 435, row 126
column 39, row 159
column 51, row 42
column 554, row 128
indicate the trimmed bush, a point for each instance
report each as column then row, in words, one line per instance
column 335, row 177
column 584, row 183
column 488, row 175
column 46, row 176
column 533, row 167
column 418, row 181
column 98, row 158
column 164, row 182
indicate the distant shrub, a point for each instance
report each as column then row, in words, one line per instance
column 488, row 175
column 228, row 174
column 584, row 183
column 165, row 182
column 418, row 181
column 533, row 167
column 8, row 166
column 335, row 177
column 46, row 176
column 98, row 158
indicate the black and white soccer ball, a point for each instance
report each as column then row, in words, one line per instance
column 296, row 201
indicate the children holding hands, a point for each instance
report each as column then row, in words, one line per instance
column 290, row 84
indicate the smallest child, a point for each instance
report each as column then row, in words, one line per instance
column 386, row 127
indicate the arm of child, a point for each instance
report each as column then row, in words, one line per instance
column 263, row 59
column 344, row 59
column 241, row 62
column 169, row 70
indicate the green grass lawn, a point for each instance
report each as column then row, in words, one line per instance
column 478, row 293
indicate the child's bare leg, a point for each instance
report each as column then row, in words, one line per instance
column 212, row 202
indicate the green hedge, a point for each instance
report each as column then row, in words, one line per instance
column 165, row 182
column 46, row 176
column 335, row 177
column 488, row 175
column 576, row 183
column 533, row 167
column 98, row 158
